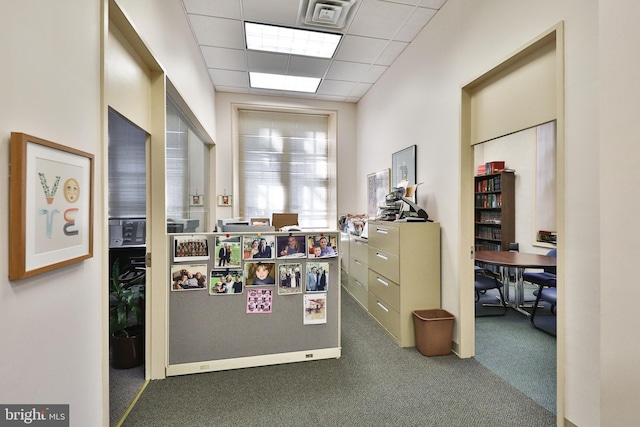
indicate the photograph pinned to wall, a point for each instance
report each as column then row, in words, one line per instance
column 196, row 200
column 188, row 248
column 317, row 277
column 49, row 228
column 228, row 252
column 377, row 190
column 291, row 246
column 258, row 246
column 188, row 277
column 321, row 246
column 315, row 309
column 259, row 301
column 403, row 170
column 225, row 200
column 290, row 279
column 260, row 273
column 229, row 282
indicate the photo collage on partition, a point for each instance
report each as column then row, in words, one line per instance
column 186, row 277
column 290, row 278
column 315, row 309
column 317, row 277
column 228, row 252
column 227, row 282
column 190, row 248
column 257, row 265
column 259, row 301
column 291, row 246
column 322, row 246
column 258, row 247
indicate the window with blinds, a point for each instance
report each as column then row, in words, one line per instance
column 127, row 168
column 187, row 168
column 284, row 166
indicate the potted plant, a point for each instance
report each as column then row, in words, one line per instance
column 126, row 321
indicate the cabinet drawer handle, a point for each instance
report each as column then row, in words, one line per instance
column 382, row 281
column 379, row 255
column 382, row 306
column 382, row 230
column 357, row 262
column 358, row 283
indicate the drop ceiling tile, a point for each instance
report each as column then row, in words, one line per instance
column 229, row 78
column 360, row 89
column 373, row 73
column 360, row 49
column 391, row 52
column 335, row 87
column 434, row 4
column 284, row 12
column 219, row 8
column 267, row 62
column 308, row 67
column 234, row 89
column 220, row 57
column 379, row 19
column 334, row 98
column 349, row 71
column 414, row 24
column 218, row 32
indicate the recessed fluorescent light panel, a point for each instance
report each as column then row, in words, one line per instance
column 282, row 82
column 272, row 38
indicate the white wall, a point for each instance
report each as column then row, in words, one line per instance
column 619, row 99
column 417, row 101
column 346, row 147
column 50, row 324
column 163, row 26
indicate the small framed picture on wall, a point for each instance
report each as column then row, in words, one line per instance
column 196, row 200
column 225, row 200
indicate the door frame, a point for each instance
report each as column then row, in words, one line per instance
column 466, row 324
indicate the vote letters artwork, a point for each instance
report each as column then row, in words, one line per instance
column 50, row 207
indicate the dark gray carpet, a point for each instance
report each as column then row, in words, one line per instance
column 517, row 352
column 374, row 383
column 124, row 385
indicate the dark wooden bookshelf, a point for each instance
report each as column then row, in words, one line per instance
column 495, row 211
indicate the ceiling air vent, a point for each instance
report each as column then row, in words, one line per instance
column 325, row 13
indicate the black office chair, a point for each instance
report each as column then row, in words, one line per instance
column 484, row 281
column 547, row 293
column 538, row 278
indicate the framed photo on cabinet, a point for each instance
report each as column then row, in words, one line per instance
column 377, row 189
column 403, row 168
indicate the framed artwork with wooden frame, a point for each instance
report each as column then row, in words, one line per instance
column 50, row 206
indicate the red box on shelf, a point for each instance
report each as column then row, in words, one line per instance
column 494, row 167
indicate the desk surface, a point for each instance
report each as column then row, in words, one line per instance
column 515, row 259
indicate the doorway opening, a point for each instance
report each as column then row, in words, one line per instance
column 127, row 207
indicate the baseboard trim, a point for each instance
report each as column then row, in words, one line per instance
column 253, row 361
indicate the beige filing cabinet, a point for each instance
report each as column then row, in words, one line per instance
column 404, row 274
column 359, row 270
column 344, row 260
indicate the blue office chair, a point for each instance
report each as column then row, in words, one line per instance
column 548, row 293
column 486, row 280
column 540, row 277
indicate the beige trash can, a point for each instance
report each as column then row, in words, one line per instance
column 434, row 331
